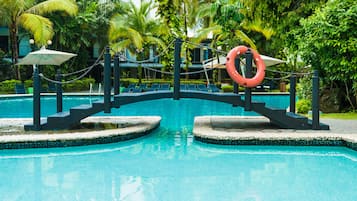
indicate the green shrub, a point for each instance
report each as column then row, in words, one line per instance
column 78, row 85
column 28, row 83
column 304, row 88
column 303, row 106
column 8, row 86
column 227, row 88
column 126, row 81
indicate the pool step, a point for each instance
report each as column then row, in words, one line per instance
column 281, row 117
column 66, row 120
column 58, row 121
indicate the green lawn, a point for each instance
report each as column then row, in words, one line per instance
column 348, row 115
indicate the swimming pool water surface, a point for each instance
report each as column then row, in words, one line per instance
column 169, row 165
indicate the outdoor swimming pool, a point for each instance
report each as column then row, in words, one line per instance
column 169, row 165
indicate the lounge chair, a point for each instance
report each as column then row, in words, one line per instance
column 213, row 88
column 143, row 87
column 154, row 87
column 202, row 87
column 191, row 87
column 164, row 87
column 131, row 85
column 183, row 86
column 20, row 89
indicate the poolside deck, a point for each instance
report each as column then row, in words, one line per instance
column 12, row 135
column 230, row 130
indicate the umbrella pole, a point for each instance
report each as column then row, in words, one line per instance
column 36, row 99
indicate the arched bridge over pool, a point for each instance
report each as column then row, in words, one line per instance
column 279, row 117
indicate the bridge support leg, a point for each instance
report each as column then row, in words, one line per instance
column 177, row 69
column 315, row 101
column 107, row 81
column 36, row 99
column 116, row 78
column 237, row 65
column 59, row 91
column 248, row 74
column 116, row 75
column 293, row 93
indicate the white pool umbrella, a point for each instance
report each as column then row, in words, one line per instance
column 46, row 57
column 220, row 63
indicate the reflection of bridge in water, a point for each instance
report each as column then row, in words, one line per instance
column 279, row 117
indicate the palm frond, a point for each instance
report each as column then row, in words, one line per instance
column 121, row 45
column 68, row 6
column 155, row 40
column 241, row 35
column 257, row 25
column 203, row 33
column 39, row 26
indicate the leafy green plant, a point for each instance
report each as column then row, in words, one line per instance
column 303, row 106
column 304, row 88
column 8, row 86
column 78, row 85
column 227, row 88
column 28, row 83
column 327, row 41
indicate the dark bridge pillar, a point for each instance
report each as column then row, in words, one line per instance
column 116, row 78
column 59, row 91
column 248, row 74
column 293, row 93
column 36, row 99
column 116, row 75
column 177, row 69
column 107, row 81
column 315, row 101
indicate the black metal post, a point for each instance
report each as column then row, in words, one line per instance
column 116, row 75
column 248, row 74
column 292, row 93
column 237, row 65
column 107, row 81
column 59, row 91
column 177, row 68
column 315, row 101
column 36, row 99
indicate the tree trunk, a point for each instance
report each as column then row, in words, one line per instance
column 14, row 48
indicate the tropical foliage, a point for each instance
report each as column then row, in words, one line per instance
column 136, row 31
column 31, row 17
column 328, row 41
column 78, row 34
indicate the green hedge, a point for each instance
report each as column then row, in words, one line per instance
column 227, row 88
column 78, row 85
column 126, row 81
column 303, row 106
column 8, row 86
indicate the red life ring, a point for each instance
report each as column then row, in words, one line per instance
column 232, row 71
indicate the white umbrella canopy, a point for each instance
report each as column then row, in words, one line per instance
column 46, row 57
column 221, row 61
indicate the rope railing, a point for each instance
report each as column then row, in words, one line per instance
column 85, row 70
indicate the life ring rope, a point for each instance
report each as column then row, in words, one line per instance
column 236, row 77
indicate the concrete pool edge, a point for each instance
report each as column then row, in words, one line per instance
column 205, row 130
column 136, row 126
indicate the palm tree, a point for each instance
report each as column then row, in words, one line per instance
column 28, row 15
column 224, row 19
column 135, row 30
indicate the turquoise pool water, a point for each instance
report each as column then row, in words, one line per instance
column 169, row 165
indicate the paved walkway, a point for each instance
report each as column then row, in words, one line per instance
column 211, row 129
column 258, row 131
column 12, row 135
